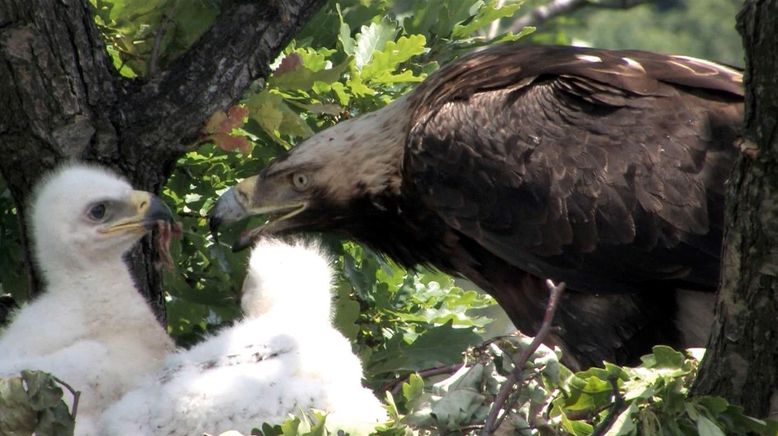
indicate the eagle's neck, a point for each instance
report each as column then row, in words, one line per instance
column 377, row 147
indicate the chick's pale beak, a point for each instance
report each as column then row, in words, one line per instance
column 145, row 211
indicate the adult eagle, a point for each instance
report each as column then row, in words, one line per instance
column 604, row 169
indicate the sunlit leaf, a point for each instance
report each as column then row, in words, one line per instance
column 382, row 66
column 706, row 427
column 488, row 11
column 372, row 38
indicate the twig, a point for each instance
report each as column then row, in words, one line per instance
column 462, row 430
column 493, row 421
column 616, row 408
column 396, row 385
column 154, row 56
column 76, row 395
column 543, row 13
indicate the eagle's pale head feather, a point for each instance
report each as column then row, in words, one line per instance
column 359, row 155
column 356, row 160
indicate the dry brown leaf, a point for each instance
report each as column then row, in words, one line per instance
column 288, row 63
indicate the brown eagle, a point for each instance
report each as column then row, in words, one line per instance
column 603, row 169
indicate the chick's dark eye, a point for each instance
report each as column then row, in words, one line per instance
column 97, row 212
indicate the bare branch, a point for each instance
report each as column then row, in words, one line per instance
column 543, row 13
column 396, row 385
column 494, row 419
column 154, row 57
column 76, row 396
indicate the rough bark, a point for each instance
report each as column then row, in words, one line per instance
column 62, row 99
column 742, row 354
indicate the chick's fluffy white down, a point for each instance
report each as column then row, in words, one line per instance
column 284, row 357
column 90, row 327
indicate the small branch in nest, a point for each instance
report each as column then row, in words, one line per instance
column 396, row 385
column 616, row 408
column 466, row 429
column 76, row 396
column 494, row 420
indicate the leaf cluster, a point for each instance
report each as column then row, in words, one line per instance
column 649, row 399
column 31, row 403
column 140, row 32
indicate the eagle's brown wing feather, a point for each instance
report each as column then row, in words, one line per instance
column 599, row 168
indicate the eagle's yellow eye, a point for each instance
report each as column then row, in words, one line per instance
column 300, row 181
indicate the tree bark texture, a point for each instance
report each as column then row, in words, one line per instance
column 742, row 358
column 62, row 99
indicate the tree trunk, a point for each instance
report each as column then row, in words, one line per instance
column 62, row 98
column 741, row 363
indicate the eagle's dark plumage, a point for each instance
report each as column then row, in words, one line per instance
column 604, row 169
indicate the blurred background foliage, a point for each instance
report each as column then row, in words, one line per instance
column 354, row 56
column 701, row 28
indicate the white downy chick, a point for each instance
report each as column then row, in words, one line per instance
column 90, row 327
column 284, row 357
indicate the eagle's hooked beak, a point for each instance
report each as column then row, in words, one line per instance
column 239, row 202
column 231, row 207
column 144, row 212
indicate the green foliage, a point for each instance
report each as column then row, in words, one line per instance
column 32, row 403
column 485, row 15
column 434, row 347
column 313, row 424
column 133, row 28
column 406, row 320
column 464, row 399
column 649, row 399
column 702, row 28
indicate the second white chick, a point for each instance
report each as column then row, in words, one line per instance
column 284, row 357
